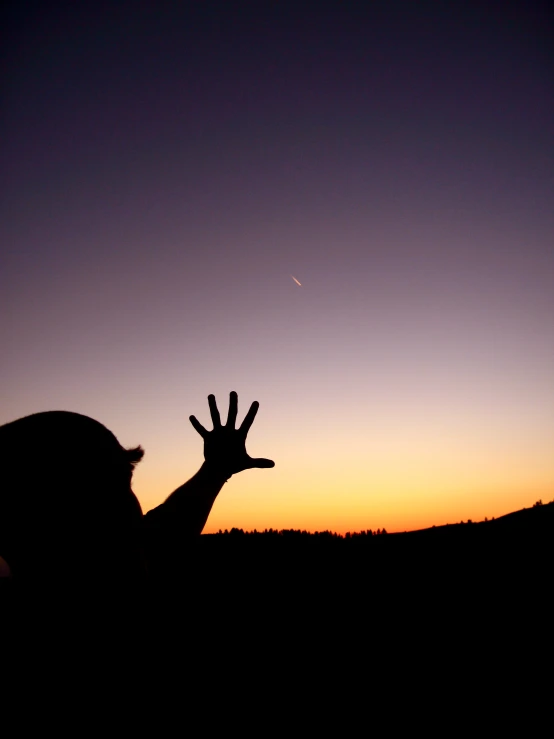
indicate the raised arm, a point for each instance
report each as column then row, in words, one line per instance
column 186, row 510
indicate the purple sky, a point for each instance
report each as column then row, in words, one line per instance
column 166, row 167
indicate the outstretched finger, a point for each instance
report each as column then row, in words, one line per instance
column 249, row 418
column 233, row 407
column 213, row 411
column 262, row 463
column 198, row 426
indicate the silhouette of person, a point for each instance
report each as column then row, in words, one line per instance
column 67, row 508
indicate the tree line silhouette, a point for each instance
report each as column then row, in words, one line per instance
column 296, row 533
column 327, row 534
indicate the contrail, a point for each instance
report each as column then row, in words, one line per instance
column 298, row 283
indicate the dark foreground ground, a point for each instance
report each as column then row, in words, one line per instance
column 511, row 547
column 441, row 621
column 452, row 576
column 456, row 574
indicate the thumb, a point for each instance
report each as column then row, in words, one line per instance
column 261, row 462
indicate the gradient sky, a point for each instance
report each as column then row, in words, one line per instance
column 166, row 167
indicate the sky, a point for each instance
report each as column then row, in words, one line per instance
column 169, row 167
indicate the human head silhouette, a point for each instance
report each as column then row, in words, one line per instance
column 66, row 504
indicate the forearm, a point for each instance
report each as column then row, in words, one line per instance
column 187, row 509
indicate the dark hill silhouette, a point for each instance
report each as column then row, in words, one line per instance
column 535, row 521
column 538, row 520
column 295, row 567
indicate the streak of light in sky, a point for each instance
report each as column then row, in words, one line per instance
column 298, row 283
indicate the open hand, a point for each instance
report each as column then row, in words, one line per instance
column 225, row 446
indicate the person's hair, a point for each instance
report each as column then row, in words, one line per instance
column 134, row 455
column 64, row 441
